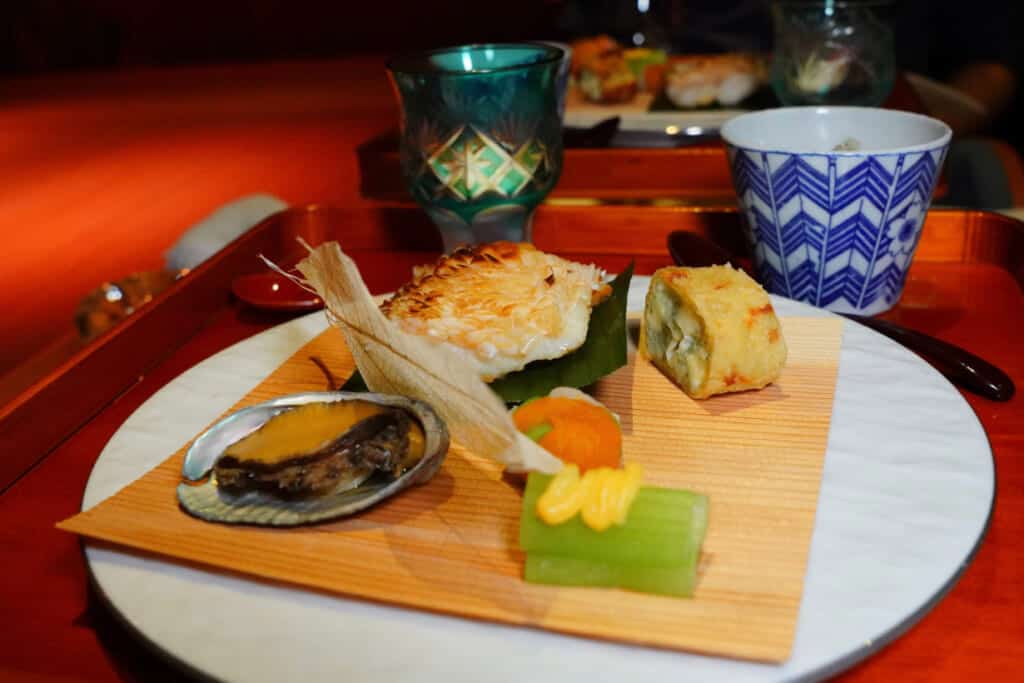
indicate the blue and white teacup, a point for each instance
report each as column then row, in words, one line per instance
column 834, row 199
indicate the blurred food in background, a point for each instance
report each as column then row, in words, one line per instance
column 648, row 66
column 600, row 72
column 706, row 80
column 606, row 72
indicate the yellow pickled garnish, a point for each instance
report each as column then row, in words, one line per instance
column 563, row 497
column 597, row 512
column 630, row 487
column 602, row 496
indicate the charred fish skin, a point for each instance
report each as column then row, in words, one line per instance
column 402, row 445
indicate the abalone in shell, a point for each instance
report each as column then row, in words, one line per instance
column 311, row 457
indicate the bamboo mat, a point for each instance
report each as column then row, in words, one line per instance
column 450, row 545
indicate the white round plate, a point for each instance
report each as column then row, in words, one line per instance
column 906, row 495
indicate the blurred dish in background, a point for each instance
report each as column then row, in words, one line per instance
column 606, row 73
column 648, row 67
column 600, row 72
column 707, row 80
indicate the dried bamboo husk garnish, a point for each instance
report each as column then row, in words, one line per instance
column 395, row 362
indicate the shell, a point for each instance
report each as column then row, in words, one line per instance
column 208, row 502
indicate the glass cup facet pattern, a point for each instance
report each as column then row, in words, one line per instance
column 829, row 52
column 481, row 138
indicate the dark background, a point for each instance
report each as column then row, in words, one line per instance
column 60, row 35
column 44, row 36
column 48, row 35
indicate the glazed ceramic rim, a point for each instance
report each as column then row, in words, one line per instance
column 786, row 112
column 404, row 63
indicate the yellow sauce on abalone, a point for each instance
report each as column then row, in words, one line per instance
column 308, row 428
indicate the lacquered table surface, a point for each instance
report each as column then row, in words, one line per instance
column 163, row 159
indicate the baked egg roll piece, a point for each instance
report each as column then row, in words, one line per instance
column 711, row 330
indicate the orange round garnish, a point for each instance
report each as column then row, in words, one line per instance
column 581, row 433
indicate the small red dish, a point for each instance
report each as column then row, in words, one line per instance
column 274, row 292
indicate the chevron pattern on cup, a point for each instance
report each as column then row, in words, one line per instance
column 835, row 230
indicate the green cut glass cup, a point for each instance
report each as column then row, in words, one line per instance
column 481, row 137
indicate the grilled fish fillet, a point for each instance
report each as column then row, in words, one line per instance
column 501, row 305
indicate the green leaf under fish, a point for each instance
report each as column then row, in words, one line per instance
column 602, row 353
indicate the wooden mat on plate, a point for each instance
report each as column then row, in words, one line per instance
column 450, row 545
